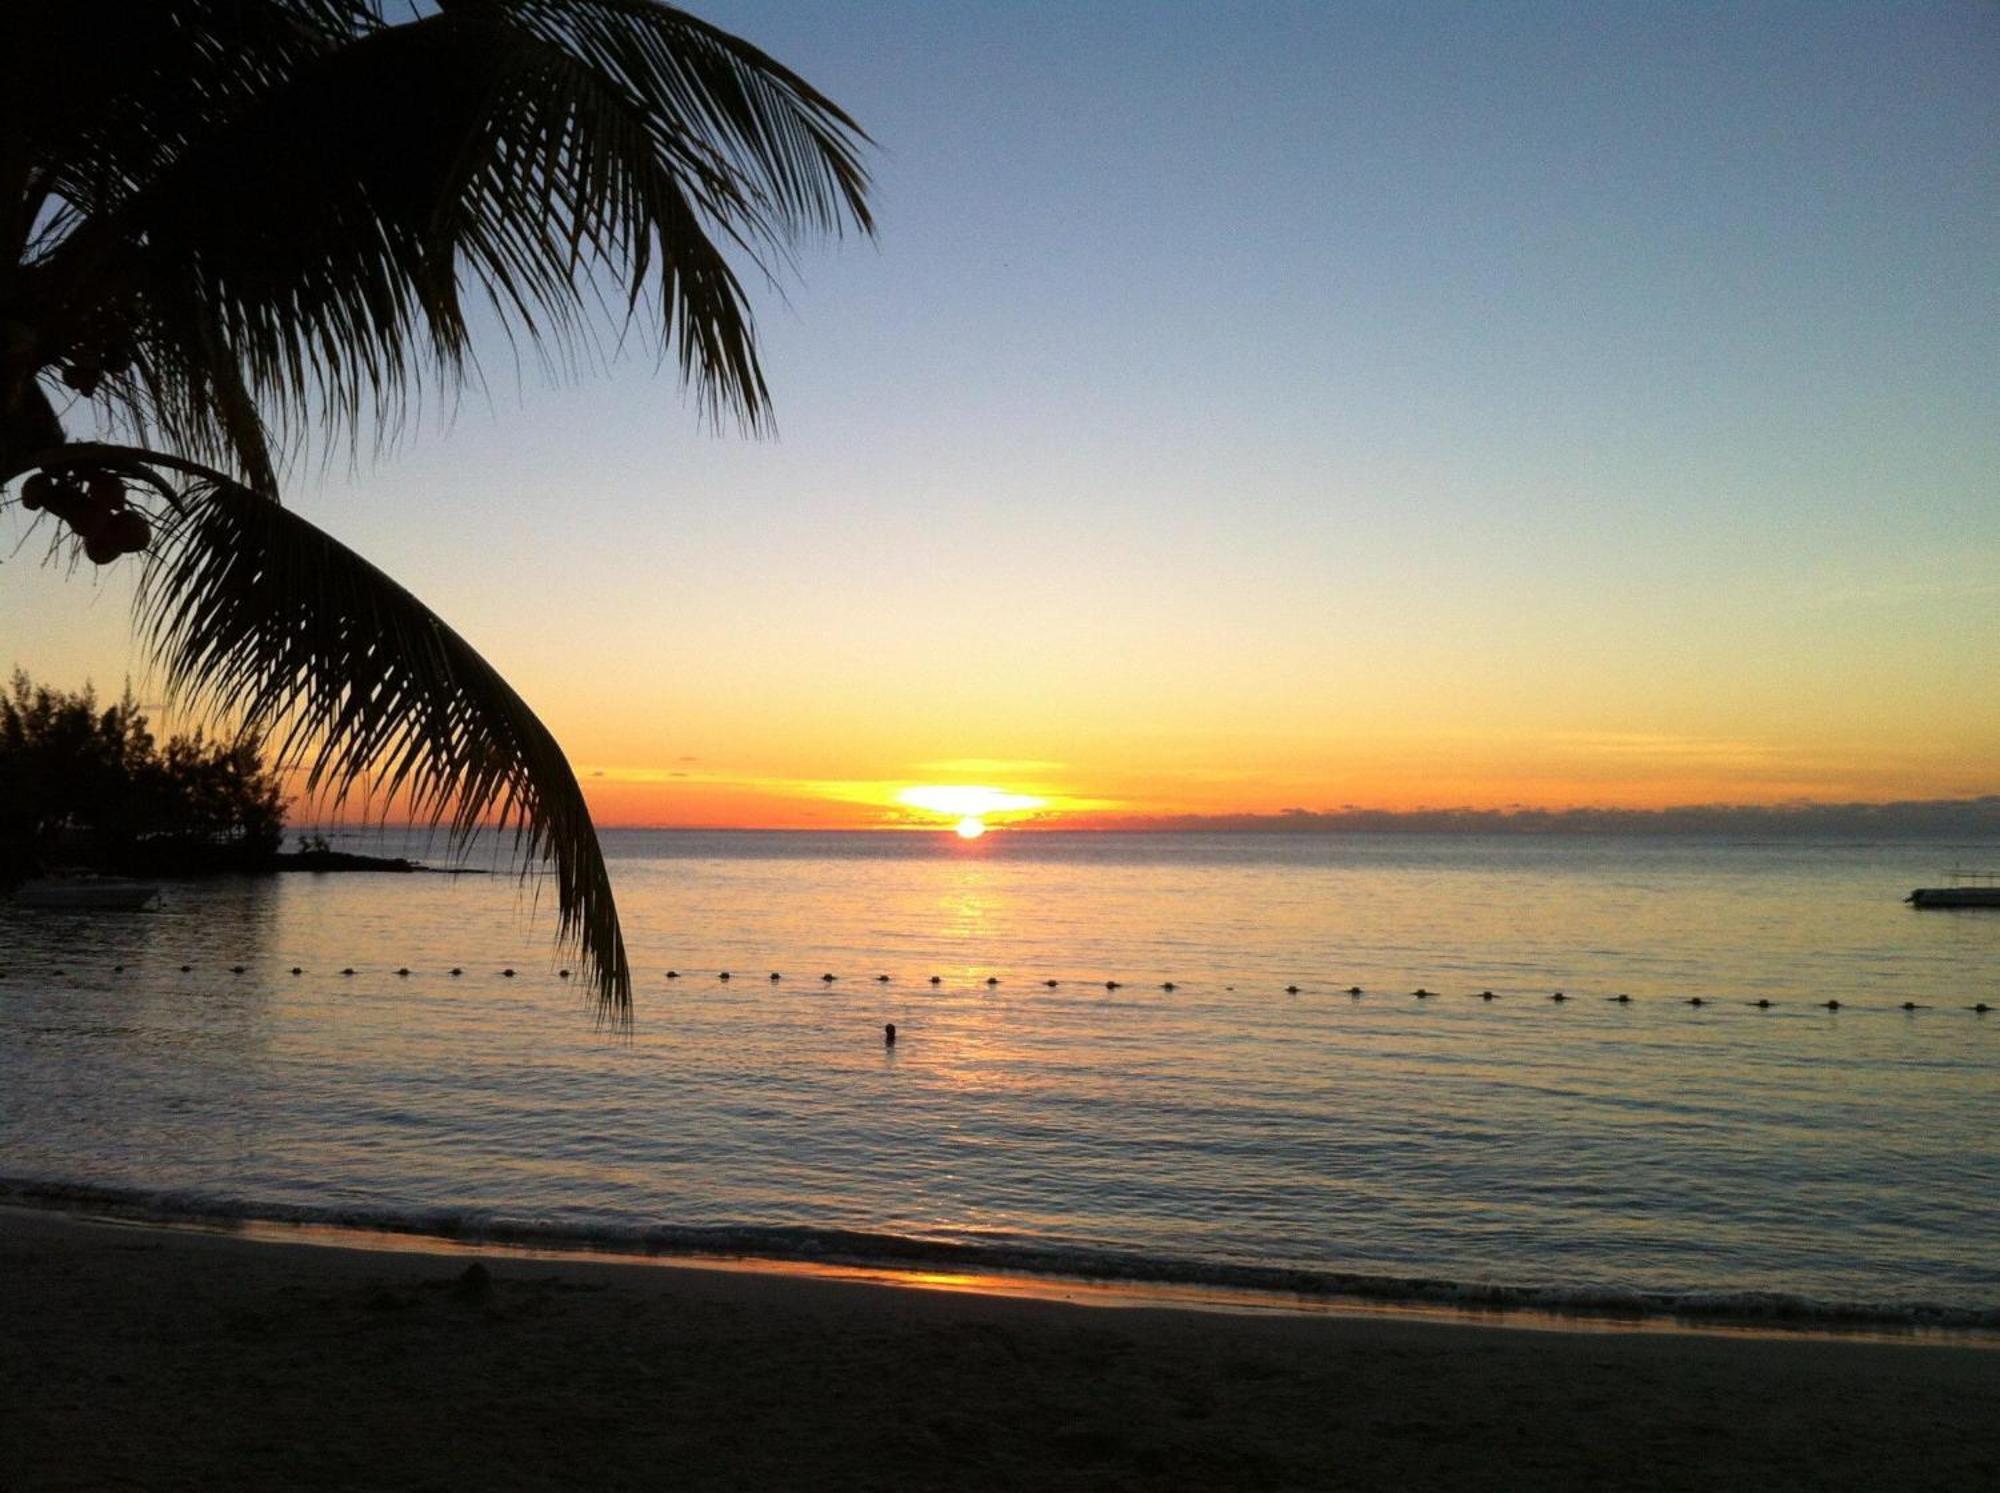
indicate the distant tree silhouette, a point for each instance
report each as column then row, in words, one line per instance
column 233, row 225
column 91, row 786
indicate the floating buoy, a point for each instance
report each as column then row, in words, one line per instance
column 775, row 977
column 404, row 973
column 507, row 973
column 1291, row 990
column 1051, row 983
column 1486, row 995
column 673, row 974
column 1354, row 990
column 296, row 970
column 1622, row 998
column 828, row 979
column 1558, row 996
column 456, row 971
column 992, row 980
column 1167, row 985
column 1695, row 1000
column 881, row 979
column 723, row 976
column 118, row 969
column 236, row 969
column 186, row 968
column 1912, row 1006
column 888, row 1034
column 1761, row 1004
column 349, row 970
column 1110, row 984
column 1421, row 994
column 1982, row 1008
column 937, row 979
column 1830, row 1005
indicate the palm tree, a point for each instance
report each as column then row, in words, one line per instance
column 240, row 225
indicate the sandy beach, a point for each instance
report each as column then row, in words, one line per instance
column 140, row 1357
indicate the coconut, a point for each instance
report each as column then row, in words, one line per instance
column 128, row 529
column 105, row 490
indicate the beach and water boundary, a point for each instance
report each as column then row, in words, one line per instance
column 1108, row 1277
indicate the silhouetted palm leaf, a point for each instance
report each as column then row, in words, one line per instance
column 240, row 221
column 351, row 678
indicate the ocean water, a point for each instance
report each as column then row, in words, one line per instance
column 1653, row 1153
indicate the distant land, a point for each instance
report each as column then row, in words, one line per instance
column 1915, row 819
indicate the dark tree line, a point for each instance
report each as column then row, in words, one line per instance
column 84, row 785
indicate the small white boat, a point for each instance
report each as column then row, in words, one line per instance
column 91, row 894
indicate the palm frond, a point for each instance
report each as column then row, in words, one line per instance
column 313, row 211
column 235, row 223
column 263, row 617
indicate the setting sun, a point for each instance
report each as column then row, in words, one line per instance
column 968, row 805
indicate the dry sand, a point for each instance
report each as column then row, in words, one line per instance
column 146, row 1358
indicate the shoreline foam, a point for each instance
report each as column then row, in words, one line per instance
column 1110, row 1277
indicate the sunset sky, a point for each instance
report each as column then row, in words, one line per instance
column 1293, row 405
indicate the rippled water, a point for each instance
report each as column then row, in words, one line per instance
column 1224, row 1126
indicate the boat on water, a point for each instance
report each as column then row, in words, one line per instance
column 84, row 894
column 1964, row 889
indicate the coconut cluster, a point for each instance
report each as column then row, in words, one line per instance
column 93, row 504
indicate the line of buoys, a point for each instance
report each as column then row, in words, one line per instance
column 1622, row 998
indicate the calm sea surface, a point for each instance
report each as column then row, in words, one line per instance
column 1223, row 1131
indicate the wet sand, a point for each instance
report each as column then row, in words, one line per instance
column 138, row 1357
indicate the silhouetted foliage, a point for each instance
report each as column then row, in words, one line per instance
column 228, row 227
column 84, row 785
